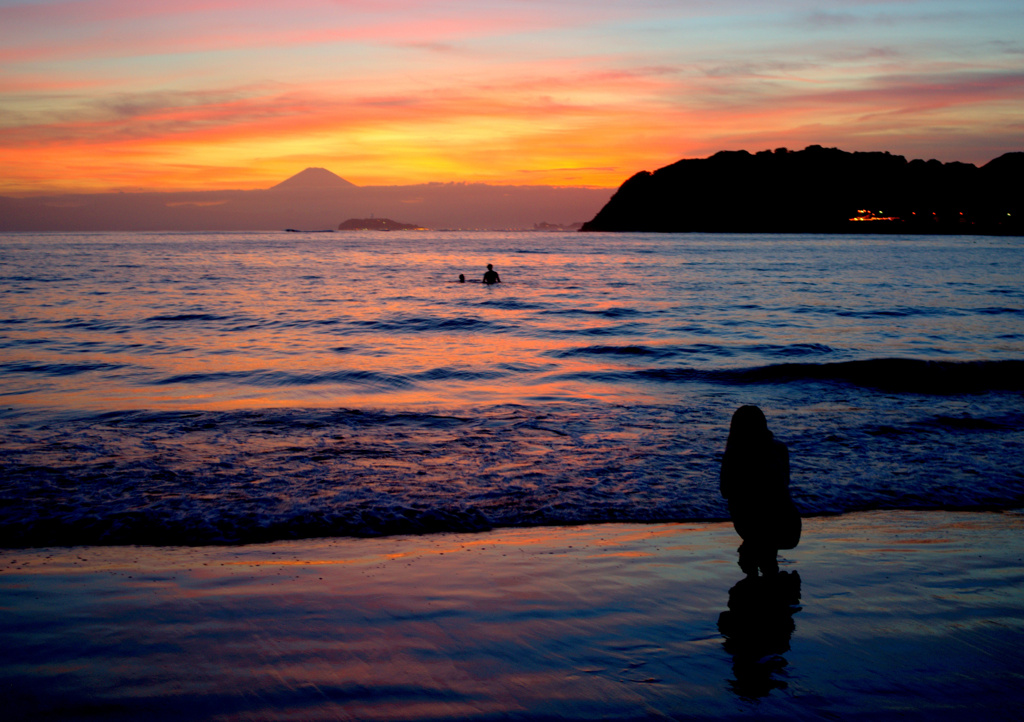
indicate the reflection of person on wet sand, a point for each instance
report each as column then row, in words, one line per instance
column 491, row 276
column 757, row 629
column 755, row 482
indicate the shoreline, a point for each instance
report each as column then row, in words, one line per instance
column 901, row 614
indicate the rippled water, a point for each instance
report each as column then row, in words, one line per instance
column 197, row 388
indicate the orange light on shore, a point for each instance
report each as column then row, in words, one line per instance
column 866, row 215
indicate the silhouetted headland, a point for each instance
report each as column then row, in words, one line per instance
column 377, row 224
column 820, row 190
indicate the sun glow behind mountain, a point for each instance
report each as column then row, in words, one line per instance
column 107, row 94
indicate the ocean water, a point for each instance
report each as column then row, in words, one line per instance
column 181, row 388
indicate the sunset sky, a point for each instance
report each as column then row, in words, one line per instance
column 99, row 95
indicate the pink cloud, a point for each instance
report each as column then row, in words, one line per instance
column 116, row 28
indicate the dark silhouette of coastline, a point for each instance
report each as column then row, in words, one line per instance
column 820, row 190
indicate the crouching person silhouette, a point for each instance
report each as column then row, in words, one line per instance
column 755, row 482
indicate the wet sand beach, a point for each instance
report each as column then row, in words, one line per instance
column 909, row 615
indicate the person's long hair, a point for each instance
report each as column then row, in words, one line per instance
column 748, row 433
column 747, row 458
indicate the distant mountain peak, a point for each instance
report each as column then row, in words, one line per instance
column 313, row 179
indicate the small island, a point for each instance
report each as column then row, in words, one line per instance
column 819, row 190
column 557, row 227
column 377, row 224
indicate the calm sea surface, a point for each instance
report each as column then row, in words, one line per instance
column 209, row 388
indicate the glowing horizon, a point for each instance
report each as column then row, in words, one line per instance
column 102, row 95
